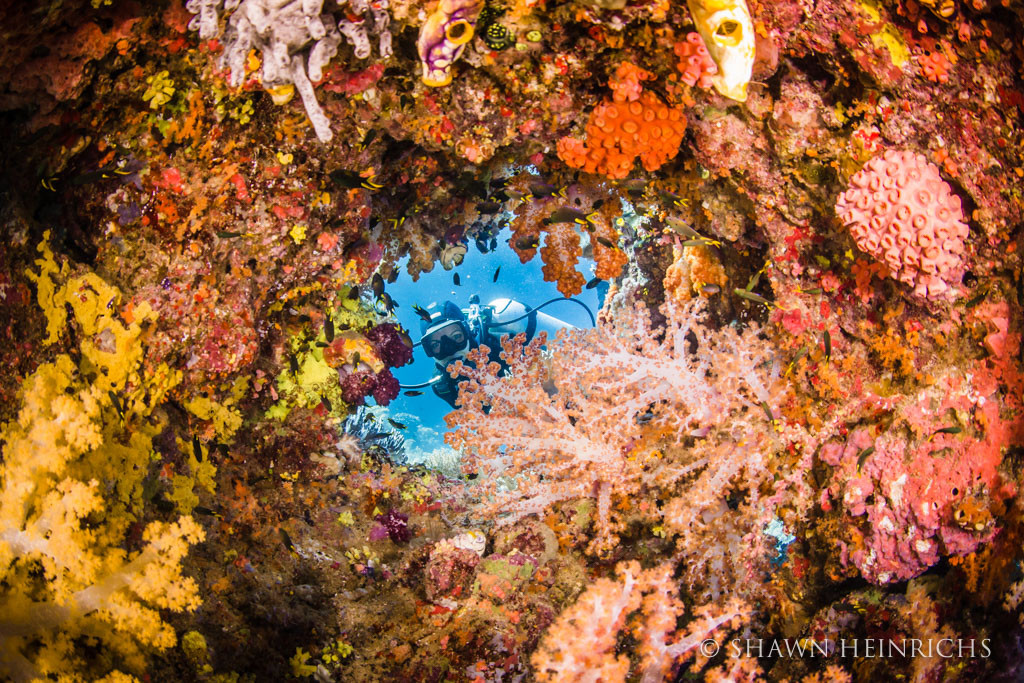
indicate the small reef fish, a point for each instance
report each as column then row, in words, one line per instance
column 634, row 186
column 414, row 393
column 403, row 334
column 378, row 285
column 751, row 296
column 496, row 271
column 350, row 180
column 117, row 404
column 528, row 242
column 513, row 194
column 387, row 302
column 367, row 139
column 286, row 540
column 594, row 282
column 673, row 199
column 488, row 208
column 728, row 33
column 396, row 424
column 455, row 280
column 799, row 354
column 701, row 242
column 423, row 313
column 976, row 300
column 683, row 228
column 540, row 190
column 863, row 456
column 567, row 214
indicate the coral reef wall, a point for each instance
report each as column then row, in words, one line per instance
column 797, row 422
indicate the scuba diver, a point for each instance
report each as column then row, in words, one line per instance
column 452, row 332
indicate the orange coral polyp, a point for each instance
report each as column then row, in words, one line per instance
column 619, row 132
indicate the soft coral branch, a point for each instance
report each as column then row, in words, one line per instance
column 585, row 419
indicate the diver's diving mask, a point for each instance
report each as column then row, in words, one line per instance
column 447, row 342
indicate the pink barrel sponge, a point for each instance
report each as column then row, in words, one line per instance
column 901, row 212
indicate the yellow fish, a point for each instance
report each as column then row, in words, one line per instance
column 728, row 34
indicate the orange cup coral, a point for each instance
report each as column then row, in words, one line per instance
column 935, row 67
column 695, row 63
column 619, row 132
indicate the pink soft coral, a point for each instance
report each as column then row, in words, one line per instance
column 588, row 421
column 901, row 212
column 582, row 645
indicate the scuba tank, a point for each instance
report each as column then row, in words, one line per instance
column 503, row 316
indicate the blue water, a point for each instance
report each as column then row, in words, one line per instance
column 424, row 415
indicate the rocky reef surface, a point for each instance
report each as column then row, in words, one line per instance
column 791, row 449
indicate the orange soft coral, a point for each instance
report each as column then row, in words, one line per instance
column 609, row 260
column 560, row 253
column 692, row 268
column 583, row 644
column 563, row 245
column 619, row 132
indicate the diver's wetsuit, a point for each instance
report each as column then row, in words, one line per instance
column 449, row 335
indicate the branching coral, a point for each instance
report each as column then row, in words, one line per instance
column 583, row 644
column 70, row 485
column 901, row 212
column 619, row 394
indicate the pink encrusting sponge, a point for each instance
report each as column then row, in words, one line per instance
column 901, row 212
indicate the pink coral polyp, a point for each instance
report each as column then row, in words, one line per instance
column 901, row 212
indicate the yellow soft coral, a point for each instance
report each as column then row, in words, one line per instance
column 109, row 347
column 226, row 419
column 78, row 451
column 316, row 378
column 201, row 473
